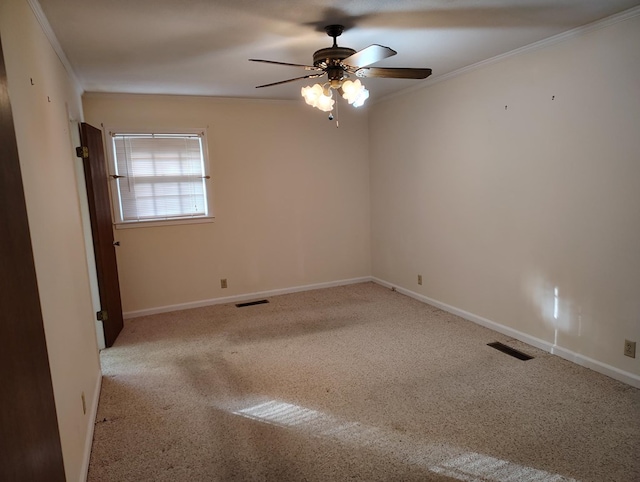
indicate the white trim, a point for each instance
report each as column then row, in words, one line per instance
column 244, row 297
column 595, row 365
column 492, row 325
column 164, row 222
column 578, row 359
column 194, row 97
column 561, row 37
column 55, row 44
column 600, row 367
column 88, row 443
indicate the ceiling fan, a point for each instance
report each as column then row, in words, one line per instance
column 338, row 64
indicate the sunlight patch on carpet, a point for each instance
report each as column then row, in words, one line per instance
column 437, row 458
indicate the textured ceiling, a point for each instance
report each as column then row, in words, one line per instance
column 202, row 47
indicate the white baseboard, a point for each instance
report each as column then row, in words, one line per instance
column 244, row 297
column 595, row 365
column 88, row 443
column 600, row 367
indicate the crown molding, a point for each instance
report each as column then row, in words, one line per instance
column 53, row 40
column 555, row 39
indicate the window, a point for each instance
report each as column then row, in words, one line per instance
column 159, row 178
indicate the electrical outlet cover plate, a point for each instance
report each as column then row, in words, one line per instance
column 630, row 348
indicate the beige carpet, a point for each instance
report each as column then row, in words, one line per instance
column 351, row 383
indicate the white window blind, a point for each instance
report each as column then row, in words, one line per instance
column 159, row 176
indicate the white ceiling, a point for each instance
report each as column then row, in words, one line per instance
column 202, row 47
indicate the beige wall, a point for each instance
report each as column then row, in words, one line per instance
column 43, row 134
column 502, row 184
column 291, row 200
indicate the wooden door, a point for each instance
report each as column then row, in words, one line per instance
column 30, row 446
column 97, row 182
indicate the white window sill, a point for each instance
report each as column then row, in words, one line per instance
column 164, row 222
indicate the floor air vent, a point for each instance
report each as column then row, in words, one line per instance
column 509, row 351
column 251, row 303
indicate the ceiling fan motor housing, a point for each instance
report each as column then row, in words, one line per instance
column 331, row 56
column 330, row 59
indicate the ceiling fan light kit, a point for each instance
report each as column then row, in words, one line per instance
column 319, row 97
column 338, row 63
column 354, row 92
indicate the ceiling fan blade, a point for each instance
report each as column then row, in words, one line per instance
column 310, row 76
column 369, row 55
column 393, row 73
column 306, row 67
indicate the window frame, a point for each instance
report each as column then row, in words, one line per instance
column 118, row 218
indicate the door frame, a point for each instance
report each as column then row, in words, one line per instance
column 74, row 137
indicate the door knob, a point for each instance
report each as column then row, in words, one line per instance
column 117, row 243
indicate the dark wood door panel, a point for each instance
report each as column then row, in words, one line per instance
column 97, row 182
